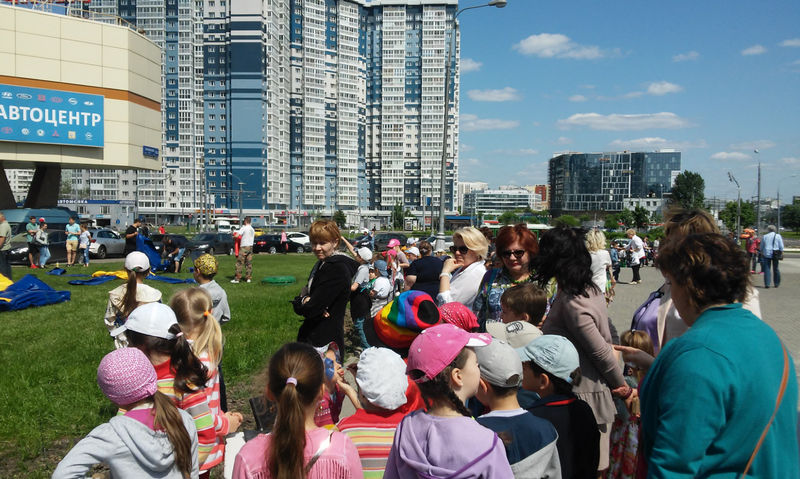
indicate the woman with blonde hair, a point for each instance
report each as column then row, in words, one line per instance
column 601, row 263
column 461, row 275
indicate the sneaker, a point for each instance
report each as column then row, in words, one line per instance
column 248, row 280
column 235, row 281
column 33, row 266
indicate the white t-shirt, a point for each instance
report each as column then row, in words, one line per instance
column 636, row 247
column 464, row 285
column 600, row 260
column 247, row 234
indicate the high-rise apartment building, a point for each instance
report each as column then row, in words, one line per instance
column 582, row 182
column 298, row 105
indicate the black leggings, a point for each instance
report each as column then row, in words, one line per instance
column 635, row 269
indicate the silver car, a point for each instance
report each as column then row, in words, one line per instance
column 106, row 242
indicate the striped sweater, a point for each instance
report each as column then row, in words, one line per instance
column 211, row 390
column 372, row 433
column 196, row 405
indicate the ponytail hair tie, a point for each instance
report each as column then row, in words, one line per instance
column 179, row 335
column 291, row 380
column 206, row 313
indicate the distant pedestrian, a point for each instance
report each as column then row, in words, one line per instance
column 771, row 255
column 613, row 253
column 73, row 231
column 130, row 236
column 284, row 242
column 5, row 246
column 83, row 244
column 245, row 258
column 636, row 249
column 162, row 230
column 753, row 251
column 33, row 250
column 43, row 244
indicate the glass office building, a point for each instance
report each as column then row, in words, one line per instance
column 582, row 182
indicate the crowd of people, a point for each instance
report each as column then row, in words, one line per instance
column 498, row 360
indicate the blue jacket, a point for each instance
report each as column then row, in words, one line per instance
column 709, row 395
column 771, row 242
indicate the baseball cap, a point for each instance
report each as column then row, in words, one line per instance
column 458, row 314
column 364, row 253
column 518, row 333
column 413, row 250
column 393, row 242
column 500, row 364
column 381, row 377
column 137, row 261
column 436, row 347
column 41, row 220
column 206, row 264
column 152, row 319
column 126, row 376
column 553, row 353
column 380, row 266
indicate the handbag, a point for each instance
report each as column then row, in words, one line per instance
column 784, row 381
column 776, row 253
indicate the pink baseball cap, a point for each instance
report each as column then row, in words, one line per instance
column 126, row 376
column 436, row 347
column 394, row 242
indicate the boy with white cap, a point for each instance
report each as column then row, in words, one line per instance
column 360, row 302
column 530, row 441
column 551, row 368
column 382, row 385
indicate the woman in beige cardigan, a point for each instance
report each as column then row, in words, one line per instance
column 579, row 314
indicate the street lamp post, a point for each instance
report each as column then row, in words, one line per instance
column 779, row 199
column 241, row 183
column 732, row 179
column 448, row 74
column 758, row 201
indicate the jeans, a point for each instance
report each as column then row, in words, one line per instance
column 359, row 325
column 44, row 255
column 86, row 255
column 766, row 265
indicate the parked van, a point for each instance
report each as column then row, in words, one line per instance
column 223, row 226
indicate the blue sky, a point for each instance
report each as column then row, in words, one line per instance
column 713, row 79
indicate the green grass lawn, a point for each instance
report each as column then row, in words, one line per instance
column 48, row 392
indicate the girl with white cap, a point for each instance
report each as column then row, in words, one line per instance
column 123, row 299
column 152, row 439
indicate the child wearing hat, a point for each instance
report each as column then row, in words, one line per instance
column 383, row 393
column 152, row 439
column 530, row 441
column 445, row 441
column 123, row 299
column 550, row 367
column 381, row 292
column 205, row 268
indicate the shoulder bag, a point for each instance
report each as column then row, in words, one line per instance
column 776, row 253
column 784, row 381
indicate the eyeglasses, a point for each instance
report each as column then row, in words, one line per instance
column 459, row 249
column 518, row 253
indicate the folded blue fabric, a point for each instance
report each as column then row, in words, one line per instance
column 30, row 291
column 93, row 281
column 57, row 271
column 170, row 280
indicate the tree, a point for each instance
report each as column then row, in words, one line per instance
column 728, row 215
column 640, row 217
column 340, row 218
column 566, row 220
column 689, row 190
column 626, row 218
column 65, row 189
column 656, row 217
column 398, row 216
column 508, row 218
column 790, row 216
column 611, row 222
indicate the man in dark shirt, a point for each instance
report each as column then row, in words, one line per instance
column 130, row 236
column 175, row 247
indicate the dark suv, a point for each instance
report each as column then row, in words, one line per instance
column 382, row 240
column 212, row 243
column 272, row 244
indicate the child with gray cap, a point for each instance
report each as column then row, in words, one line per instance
column 530, row 441
column 550, row 367
column 381, row 290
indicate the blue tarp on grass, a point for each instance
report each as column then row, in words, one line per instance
column 145, row 245
column 30, row 291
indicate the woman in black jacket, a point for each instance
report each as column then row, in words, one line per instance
column 323, row 301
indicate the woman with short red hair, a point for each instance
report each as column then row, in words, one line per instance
column 516, row 246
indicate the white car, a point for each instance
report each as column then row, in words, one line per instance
column 106, row 242
column 299, row 238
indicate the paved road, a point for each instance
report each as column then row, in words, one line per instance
column 780, row 307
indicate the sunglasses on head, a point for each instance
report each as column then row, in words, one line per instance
column 459, row 249
column 518, row 253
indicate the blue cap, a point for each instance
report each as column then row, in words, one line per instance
column 555, row 354
column 380, row 266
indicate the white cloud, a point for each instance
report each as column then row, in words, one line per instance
column 563, row 140
column 464, row 148
column 471, row 122
column 518, row 152
column 754, row 50
column 577, row 98
column 655, row 143
column 685, row 57
column 791, row 42
column 620, row 122
column 556, row 45
column 662, row 88
column 791, row 161
column 503, row 94
column 751, row 145
column 470, row 65
column 730, row 156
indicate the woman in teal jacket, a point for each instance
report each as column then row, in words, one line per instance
column 711, row 392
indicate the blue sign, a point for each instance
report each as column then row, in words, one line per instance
column 36, row 115
column 150, row 152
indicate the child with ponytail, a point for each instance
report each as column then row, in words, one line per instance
column 444, row 441
column 192, row 307
column 123, row 299
column 296, row 448
column 152, row 439
column 153, row 329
